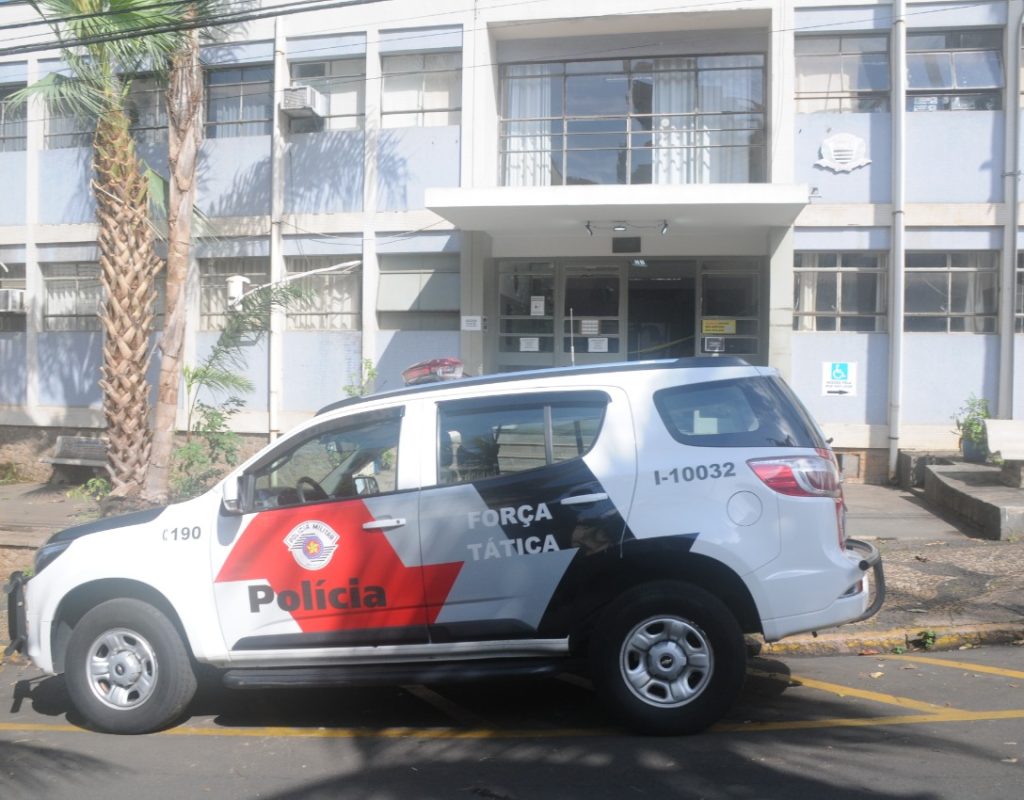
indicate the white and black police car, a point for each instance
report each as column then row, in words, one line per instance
column 632, row 520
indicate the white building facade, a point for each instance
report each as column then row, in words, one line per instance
column 828, row 189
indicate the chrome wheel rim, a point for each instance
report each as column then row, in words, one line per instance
column 121, row 669
column 666, row 661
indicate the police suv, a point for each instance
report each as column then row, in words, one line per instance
column 634, row 520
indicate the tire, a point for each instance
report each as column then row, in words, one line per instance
column 668, row 658
column 127, row 669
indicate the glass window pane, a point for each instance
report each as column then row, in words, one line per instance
column 865, row 44
column 929, row 71
column 816, row 45
column 926, row 260
column 931, row 40
column 868, row 72
column 825, row 298
column 982, row 70
column 593, row 95
column 861, row 293
column 861, row 261
column 927, row 293
column 592, row 296
column 730, row 295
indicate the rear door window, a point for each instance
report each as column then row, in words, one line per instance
column 742, row 412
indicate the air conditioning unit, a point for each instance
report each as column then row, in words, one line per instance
column 303, row 101
column 12, row 300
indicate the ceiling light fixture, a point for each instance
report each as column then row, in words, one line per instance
column 664, row 227
column 619, row 227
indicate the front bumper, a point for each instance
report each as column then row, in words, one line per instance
column 17, row 625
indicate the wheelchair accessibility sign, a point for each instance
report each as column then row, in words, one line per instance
column 839, row 378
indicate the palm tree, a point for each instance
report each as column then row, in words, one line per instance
column 100, row 45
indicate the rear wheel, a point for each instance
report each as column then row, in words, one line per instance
column 669, row 658
column 127, row 669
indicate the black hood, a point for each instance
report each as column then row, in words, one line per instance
column 107, row 524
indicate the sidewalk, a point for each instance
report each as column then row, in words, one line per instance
column 941, row 578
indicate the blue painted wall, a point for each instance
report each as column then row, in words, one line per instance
column 64, row 193
column 324, row 172
column 941, row 370
column 12, row 198
column 69, row 368
column 12, row 369
column 255, row 369
column 318, row 367
column 412, row 159
column 869, row 351
column 397, row 350
column 868, row 184
column 234, row 177
column 955, row 157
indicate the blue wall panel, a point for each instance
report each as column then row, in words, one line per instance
column 324, row 172
column 12, row 198
column 255, row 369
column 941, row 370
column 318, row 367
column 69, row 368
column 12, row 369
column 955, row 157
column 869, row 351
column 868, row 184
column 234, row 177
column 64, row 192
column 412, row 159
column 397, row 350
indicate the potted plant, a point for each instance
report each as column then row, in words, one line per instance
column 970, row 425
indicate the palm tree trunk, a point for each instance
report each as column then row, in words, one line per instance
column 128, row 269
column 184, row 106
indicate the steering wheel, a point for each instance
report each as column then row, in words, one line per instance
column 314, row 492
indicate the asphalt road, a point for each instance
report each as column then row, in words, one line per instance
column 918, row 726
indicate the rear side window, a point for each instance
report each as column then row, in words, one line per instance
column 491, row 437
column 743, row 412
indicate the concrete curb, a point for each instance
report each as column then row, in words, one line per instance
column 857, row 642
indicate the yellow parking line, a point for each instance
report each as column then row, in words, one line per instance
column 851, row 691
column 966, row 667
column 950, row 715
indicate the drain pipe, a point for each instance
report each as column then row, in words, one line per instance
column 897, row 251
column 1011, row 196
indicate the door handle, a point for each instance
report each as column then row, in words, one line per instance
column 384, row 524
column 580, row 499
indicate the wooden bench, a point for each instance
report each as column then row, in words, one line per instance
column 1006, row 437
column 79, row 451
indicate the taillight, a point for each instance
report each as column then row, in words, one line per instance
column 799, row 476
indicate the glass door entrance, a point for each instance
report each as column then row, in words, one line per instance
column 555, row 313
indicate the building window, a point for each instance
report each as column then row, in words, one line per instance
column 66, row 129
column 421, row 90
column 693, row 119
column 72, row 296
column 839, row 292
column 342, row 83
column 12, row 317
column 213, row 286
column 955, row 292
column 147, row 107
column 330, row 301
column 418, row 292
column 239, row 101
column 1019, row 296
column 842, row 73
column 954, row 70
column 12, row 121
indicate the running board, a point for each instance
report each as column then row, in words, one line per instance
column 376, row 674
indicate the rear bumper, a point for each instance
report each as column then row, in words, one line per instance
column 17, row 624
column 863, row 596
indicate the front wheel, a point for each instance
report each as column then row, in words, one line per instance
column 669, row 658
column 127, row 669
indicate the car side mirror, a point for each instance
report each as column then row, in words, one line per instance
column 237, row 494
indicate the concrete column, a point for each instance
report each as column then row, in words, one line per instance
column 35, row 293
column 278, row 143
column 370, row 178
column 780, row 300
column 476, row 254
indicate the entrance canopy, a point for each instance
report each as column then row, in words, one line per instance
column 567, row 209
